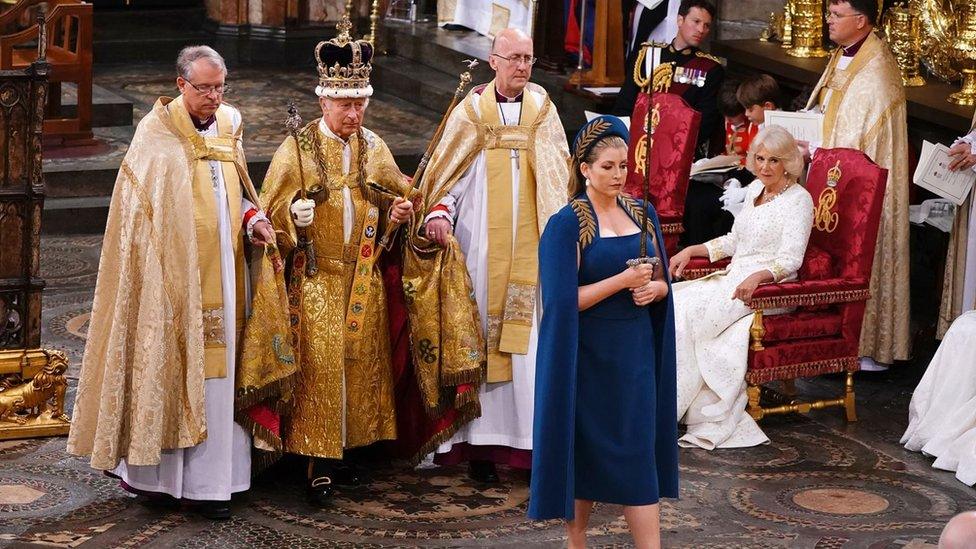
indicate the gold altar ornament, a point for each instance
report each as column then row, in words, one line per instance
column 32, row 388
column 786, row 34
column 964, row 52
column 807, row 31
column 902, row 31
column 938, row 27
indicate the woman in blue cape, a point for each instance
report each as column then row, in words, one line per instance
column 605, row 427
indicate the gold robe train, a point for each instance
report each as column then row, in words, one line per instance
column 867, row 112
column 343, row 398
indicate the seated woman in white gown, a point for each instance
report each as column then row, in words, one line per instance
column 942, row 414
column 712, row 317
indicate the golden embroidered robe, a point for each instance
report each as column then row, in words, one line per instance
column 866, row 110
column 344, row 395
column 156, row 317
column 449, row 344
column 957, row 258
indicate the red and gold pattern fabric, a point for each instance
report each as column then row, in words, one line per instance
column 672, row 153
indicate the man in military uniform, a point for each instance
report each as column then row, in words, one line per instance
column 694, row 75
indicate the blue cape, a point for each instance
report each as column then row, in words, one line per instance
column 553, row 470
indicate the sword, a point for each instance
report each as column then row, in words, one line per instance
column 649, row 129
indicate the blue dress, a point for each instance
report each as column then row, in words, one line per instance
column 605, row 425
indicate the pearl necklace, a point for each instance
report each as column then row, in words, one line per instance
column 768, row 196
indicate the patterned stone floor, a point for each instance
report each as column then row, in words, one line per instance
column 820, row 483
column 262, row 95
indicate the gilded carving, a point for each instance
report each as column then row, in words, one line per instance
column 34, row 407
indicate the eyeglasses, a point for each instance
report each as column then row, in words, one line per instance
column 830, row 15
column 518, row 59
column 222, row 89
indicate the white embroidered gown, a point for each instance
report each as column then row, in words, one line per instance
column 942, row 414
column 712, row 329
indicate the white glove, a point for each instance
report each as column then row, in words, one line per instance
column 734, row 192
column 302, row 211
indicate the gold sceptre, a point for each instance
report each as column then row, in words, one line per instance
column 293, row 123
column 387, row 239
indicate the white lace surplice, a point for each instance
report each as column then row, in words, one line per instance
column 712, row 329
column 942, row 414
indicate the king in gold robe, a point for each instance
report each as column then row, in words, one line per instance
column 863, row 103
column 344, row 395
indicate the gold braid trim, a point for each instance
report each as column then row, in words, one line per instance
column 639, row 66
column 468, row 409
column 692, row 274
column 805, row 369
column 822, row 298
column 672, row 228
column 718, row 60
column 587, row 223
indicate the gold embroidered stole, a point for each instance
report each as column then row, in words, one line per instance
column 512, row 258
column 222, row 148
column 838, row 81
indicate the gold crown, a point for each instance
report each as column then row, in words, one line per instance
column 833, row 175
column 342, row 75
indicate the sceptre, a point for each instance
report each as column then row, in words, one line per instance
column 293, row 123
column 387, row 240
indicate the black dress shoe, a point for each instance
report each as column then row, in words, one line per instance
column 482, row 471
column 347, row 475
column 319, row 491
column 214, row 510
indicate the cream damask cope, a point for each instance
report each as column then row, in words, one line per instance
column 867, row 111
column 340, row 401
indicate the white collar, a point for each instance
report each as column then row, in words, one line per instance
column 324, row 128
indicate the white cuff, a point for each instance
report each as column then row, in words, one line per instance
column 254, row 219
column 439, row 213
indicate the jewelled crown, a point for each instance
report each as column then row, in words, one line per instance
column 344, row 65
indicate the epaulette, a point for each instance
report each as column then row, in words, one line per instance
column 718, row 60
column 653, row 44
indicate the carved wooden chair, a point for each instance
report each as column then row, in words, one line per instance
column 822, row 334
column 68, row 49
column 675, row 135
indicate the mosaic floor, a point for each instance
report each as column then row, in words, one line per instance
column 821, row 483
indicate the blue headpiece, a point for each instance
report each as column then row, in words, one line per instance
column 593, row 131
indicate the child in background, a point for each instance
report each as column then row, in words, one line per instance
column 739, row 131
column 758, row 94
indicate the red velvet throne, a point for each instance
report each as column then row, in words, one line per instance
column 821, row 336
column 675, row 135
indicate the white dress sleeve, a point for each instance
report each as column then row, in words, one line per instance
column 797, row 224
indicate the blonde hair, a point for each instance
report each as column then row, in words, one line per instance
column 577, row 183
column 779, row 143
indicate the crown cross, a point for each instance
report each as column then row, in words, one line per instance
column 344, row 27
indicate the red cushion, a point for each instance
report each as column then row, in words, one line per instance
column 802, row 324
